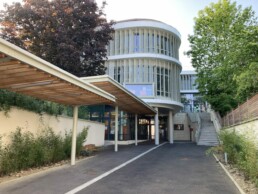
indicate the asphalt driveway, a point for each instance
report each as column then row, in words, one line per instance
column 178, row 168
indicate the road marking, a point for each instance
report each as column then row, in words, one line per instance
column 83, row 186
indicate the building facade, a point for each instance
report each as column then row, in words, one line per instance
column 144, row 57
column 190, row 96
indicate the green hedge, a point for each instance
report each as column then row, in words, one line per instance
column 26, row 151
column 242, row 152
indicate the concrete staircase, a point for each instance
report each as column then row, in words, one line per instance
column 208, row 135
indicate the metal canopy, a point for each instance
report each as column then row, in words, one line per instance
column 126, row 100
column 24, row 73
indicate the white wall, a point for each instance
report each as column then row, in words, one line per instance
column 34, row 123
column 249, row 129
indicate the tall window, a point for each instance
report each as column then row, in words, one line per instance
column 166, row 46
column 158, row 43
column 166, row 83
column 136, row 42
column 172, row 48
column 128, row 42
column 118, row 42
column 152, row 46
column 117, row 72
column 169, row 47
column 162, row 81
column 163, row 85
column 162, row 45
column 158, row 81
column 148, row 43
column 138, row 74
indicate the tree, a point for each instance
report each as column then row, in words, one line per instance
column 219, row 51
column 71, row 34
column 247, row 79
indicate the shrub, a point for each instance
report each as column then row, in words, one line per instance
column 81, row 137
column 18, row 154
column 26, row 151
column 242, row 152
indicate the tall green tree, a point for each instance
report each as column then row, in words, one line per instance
column 220, row 51
column 247, row 79
column 71, row 34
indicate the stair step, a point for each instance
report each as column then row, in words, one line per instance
column 208, row 136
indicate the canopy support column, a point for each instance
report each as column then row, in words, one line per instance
column 74, row 134
column 171, row 127
column 116, row 128
column 136, row 129
column 156, row 126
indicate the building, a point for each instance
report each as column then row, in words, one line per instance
column 144, row 58
column 190, row 96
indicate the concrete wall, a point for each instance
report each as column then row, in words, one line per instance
column 181, row 118
column 34, row 123
column 249, row 129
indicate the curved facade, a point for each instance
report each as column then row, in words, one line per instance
column 144, row 57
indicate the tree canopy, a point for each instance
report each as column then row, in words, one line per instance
column 71, row 34
column 224, row 54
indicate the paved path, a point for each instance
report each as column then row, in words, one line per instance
column 177, row 168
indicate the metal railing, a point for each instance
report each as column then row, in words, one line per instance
column 245, row 112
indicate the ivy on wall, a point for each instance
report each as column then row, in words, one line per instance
column 9, row 99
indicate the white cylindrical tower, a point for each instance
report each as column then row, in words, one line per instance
column 144, row 58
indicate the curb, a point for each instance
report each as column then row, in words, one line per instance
column 229, row 175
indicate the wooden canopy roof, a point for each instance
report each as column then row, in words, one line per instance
column 126, row 100
column 24, row 73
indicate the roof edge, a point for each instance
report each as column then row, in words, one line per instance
column 34, row 61
column 114, row 82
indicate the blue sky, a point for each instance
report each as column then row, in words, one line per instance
column 177, row 13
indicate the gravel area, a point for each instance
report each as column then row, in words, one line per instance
column 247, row 186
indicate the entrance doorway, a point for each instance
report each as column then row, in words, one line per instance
column 148, row 125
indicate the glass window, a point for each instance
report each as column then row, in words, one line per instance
column 141, row 90
column 158, row 43
column 162, row 45
column 148, row 74
column 169, row 49
column 148, row 43
column 162, row 81
column 166, row 83
column 138, row 75
column 136, row 42
column 128, row 42
column 166, row 42
column 118, row 74
column 115, row 73
column 152, row 49
column 158, row 81
column 118, row 42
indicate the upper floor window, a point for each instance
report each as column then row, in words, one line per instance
column 136, row 42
